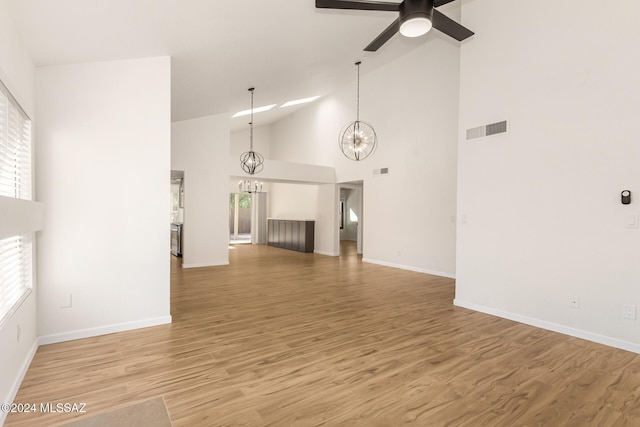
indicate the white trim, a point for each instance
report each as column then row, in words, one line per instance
column 5, row 319
column 327, row 253
column 410, row 268
column 205, row 264
column 20, row 216
column 550, row 326
column 102, row 330
column 4, row 89
column 18, row 381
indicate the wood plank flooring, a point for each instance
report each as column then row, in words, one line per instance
column 281, row 338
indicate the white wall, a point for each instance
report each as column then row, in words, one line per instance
column 17, row 72
column 103, row 141
column 541, row 205
column 327, row 230
column 200, row 148
column 412, row 103
column 293, row 201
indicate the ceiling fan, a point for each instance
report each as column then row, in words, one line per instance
column 416, row 18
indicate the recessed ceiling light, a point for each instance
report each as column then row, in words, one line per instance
column 255, row 110
column 299, row 101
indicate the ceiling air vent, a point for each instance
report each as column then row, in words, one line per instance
column 487, row 130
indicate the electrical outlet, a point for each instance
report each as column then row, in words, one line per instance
column 629, row 312
column 574, row 302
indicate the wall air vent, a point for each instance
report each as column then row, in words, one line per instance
column 487, row 130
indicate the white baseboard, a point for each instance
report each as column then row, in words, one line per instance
column 102, row 330
column 73, row 335
column 18, row 381
column 327, row 253
column 410, row 268
column 550, row 326
column 205, row 264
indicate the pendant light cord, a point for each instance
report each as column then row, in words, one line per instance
column 251, row 123
column 358, row 94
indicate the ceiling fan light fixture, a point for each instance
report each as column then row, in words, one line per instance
column 415, row 26
column 417, row 17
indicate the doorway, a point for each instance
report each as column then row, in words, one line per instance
column 240, row 206
column 350, row 211
column 177, row 213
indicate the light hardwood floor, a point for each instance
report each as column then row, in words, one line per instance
column 281, row 338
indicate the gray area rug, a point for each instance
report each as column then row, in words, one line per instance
column 147, row 413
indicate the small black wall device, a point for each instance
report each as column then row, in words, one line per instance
column 626, row 197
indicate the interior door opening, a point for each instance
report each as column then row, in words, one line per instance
column 350, row 212
column 240, row 218
column 177, row 213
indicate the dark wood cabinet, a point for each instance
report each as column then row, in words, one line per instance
column 291, row 234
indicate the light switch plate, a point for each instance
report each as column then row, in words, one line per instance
column 629, row 312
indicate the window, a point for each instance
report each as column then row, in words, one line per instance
column 15, row 148
column 15, row 273
column 16, row 252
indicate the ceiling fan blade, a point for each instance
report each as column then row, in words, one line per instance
column 438, row 3
column 450, row 27
column 384, row 36
column 357, row 5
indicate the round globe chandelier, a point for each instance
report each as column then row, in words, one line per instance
column 358, row 140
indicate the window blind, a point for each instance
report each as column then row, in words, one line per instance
column 15, row 148
column 15, row 273
column 16, row 252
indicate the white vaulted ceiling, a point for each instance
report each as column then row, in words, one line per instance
column 287, row 49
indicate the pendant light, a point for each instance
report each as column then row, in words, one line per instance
column 251, row 161
column 358, row 140
column 246, row 186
